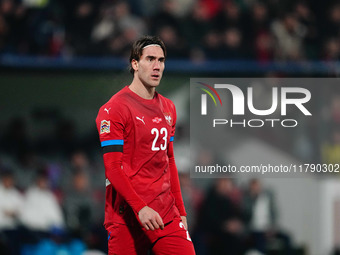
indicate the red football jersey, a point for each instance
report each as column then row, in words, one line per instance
column 141, row 129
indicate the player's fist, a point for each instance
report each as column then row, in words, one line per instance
column 150, row 219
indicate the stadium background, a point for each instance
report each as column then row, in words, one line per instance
column 61, row 60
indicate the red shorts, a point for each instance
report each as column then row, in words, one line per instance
column 173, row 239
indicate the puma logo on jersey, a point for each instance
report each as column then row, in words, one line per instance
column 141, row 119
column 107, row 110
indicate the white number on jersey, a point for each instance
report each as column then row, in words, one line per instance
column 163, row 132
column 181, row 225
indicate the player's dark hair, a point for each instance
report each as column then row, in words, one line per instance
column 138, row 46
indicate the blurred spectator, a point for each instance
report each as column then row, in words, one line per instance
column 220, row 219
column 7, row 7
column 108, row 32
column 10, row 206
column 83, row 200
column 212, row 45
column 11, row 200
column 331, row 28
column 264, row 47
column 229, row 15
column 80, row 163
column 183, row 7
column 196, row 25
column 307, row 18
column 104, row 27
column 78, row 30
column 261, row 218
column 259, row 17
column 330, row 150
column 3, row 33
column 129, row 27
column 232, row 44
column 192, row 198
column 25, row 169
column 17, row 143
column 56, row 45
column 79, row 206
column 331, row 50
column 166, row 25
column 166, row 17
column 41, row 213
column 289, row 34
column 6, row 13
column 40, row 29
column 259, row 37
column 175, row 47
column 16, row 17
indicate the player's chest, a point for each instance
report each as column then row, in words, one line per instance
column 151, row 127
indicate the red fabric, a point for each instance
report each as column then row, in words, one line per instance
column 120, row 181
column 125, row 239
column 173, row 239
column 175, row 186
column 144, row 127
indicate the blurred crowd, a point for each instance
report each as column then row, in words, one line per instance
column 261, row 30
column 52, row 194
column 237, row 219
column 59, row 205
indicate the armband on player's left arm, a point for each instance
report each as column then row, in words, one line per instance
column 175, row 186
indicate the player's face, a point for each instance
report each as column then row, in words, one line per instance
column 150, row 66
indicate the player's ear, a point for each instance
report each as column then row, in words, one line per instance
column 134, row 64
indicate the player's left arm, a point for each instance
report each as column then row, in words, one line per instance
column 175, row 186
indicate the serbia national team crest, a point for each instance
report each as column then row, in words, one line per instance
column 168, row 118
column 104, row 126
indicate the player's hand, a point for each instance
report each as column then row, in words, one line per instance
column 150, row 219
column 184, row 221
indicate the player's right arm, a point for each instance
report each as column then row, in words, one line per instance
column 111, row 127
column 148, row 217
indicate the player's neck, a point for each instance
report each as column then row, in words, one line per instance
column 142, row 90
